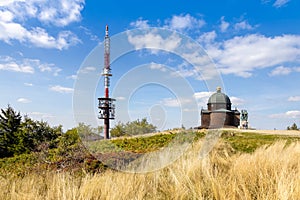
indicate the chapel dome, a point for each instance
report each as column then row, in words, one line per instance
column 219, row 98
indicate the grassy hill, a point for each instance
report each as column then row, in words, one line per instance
column 238, row 165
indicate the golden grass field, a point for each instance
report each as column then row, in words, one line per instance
column 270, row 172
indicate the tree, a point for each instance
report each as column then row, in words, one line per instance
column 293, row 127
column 68, row 141
column 118, row 130
column 18, row 137
column 35, row 133
column 136, row 127
column 10, row 122
column 87, row 132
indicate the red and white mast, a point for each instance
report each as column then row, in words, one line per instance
column 106, row 106
column 106, row 70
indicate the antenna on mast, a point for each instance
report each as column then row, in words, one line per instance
column 106, row 105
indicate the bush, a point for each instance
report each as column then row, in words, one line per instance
column 18, row 137
column 136, row 127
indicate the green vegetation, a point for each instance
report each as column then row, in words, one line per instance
column 29, row 146
column 136, row 144
column 33, row 146
column 271, row 172
column 136, row 127
column 19, row 137
column 42, row 162
column 293, row 127
column 143, row 144
column 246, row 142
column 86, row 132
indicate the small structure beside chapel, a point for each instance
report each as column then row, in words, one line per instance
column 219, row 113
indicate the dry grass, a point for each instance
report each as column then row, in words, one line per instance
column 269, row 173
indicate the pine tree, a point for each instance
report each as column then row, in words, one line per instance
column 293, row 127
column 10, row 122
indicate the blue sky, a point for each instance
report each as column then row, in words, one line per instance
column 254, row 45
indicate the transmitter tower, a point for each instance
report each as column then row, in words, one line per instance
column 106, row 104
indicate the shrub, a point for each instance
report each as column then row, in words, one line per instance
column 136, row 127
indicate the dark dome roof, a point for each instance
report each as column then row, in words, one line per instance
column 219, row 97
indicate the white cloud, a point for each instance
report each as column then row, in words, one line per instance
column 121, row 98
column 202, row 98
column 183, row 73
column 12, row 31
column 56, row 71
column 40, row 38
column 292, row 114
column 27, row 65
column 6, row 16
column 265, row 1
column 140, row 23
column 155, row 41
column 49, row 68
column 36, row 36
column 46, row 67
column 23, row 100
column 296, row 69
column 242, row 55
column 13, row 17
column 277, row 3
column 89, row 33
column 224, row 25
column 40, row 115
column 184, row 69
column 8, row 64
column 171, row 102
column 61, row 89
column 208, row 37
column 157, row 66
column 28, row 84
column 181, row 22
column 74, row 77
column 281, row 70
column 294, row 98
column 280, row 3
column 87, row 70
column 243, row 25
column 203, row 67
column 203, row 95
column 56, row 12
column 237, row 101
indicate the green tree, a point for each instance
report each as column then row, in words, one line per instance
column 18, row 137
column 293, row 127
column 70, row 138
column 68, row 142
column 136, row 127
column 118, row 130
column 33, row 134
column 87, row 132
column 10, row 122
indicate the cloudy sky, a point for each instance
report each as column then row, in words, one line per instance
column 254, row 46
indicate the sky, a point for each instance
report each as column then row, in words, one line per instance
column 167, row 57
